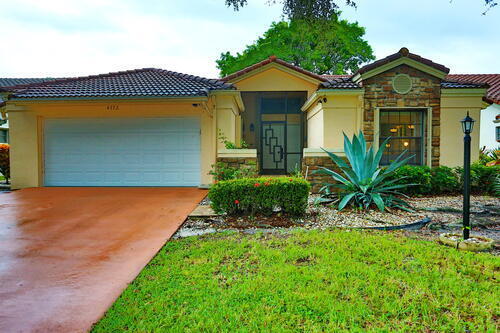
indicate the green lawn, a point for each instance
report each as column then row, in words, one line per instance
column 310, row 281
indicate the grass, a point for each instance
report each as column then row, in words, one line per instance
column 309, row 281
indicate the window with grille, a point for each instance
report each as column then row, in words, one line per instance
column 406, row 128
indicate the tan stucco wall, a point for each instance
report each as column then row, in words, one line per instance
column 315, row 127
column 228, row 119
column 275, row 79
column 327, row 121
column 454, row 109
column 27, row 119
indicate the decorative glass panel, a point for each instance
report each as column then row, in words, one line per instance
column 273, row 141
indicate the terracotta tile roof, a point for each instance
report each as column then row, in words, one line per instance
column 340, row 83
column 493, row 80
column 146, row 82
column 10, row 82
column 403, row 52
column 336, row 76
column 269, row 60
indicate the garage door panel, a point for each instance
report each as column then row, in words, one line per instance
column 122, row 152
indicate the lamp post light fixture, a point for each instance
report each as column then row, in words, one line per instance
column 467, row 126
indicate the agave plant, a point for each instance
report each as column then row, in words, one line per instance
column 364, row 182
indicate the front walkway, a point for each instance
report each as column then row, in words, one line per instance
column 67, row 253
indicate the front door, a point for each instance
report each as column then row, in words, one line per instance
column 273, row 147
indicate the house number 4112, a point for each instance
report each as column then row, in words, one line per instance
column 112, row 107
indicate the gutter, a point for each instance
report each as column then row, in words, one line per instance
column 99, row 98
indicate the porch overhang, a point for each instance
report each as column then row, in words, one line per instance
column 322, row 93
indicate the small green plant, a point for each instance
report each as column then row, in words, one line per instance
column 229, row 144
column 364, row 182
column 297, row 171
column 496, row 186
column 221, row 171
column 489, row 157
column 261, row 195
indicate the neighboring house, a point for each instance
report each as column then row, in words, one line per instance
column 153, row 127
column 11, row 82
column 489, row 136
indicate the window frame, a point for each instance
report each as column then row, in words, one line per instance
column 426, row 138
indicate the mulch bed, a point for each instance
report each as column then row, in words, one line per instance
column 444, row 211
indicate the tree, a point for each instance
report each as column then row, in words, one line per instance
column 319, row 9
column 302, row 9
column 326, row 47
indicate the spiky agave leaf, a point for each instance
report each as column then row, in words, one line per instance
column 364, row 181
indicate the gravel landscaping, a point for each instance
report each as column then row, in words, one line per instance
column 445, row 213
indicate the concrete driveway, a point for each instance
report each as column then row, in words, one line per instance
column 66, row 254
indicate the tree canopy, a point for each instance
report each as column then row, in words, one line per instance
column 320, row 9
column 302, row 9
column 326, row 47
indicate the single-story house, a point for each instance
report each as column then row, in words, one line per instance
column 153, row 127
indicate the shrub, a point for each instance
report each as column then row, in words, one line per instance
column 221, row 171
column 417, row 179
column 5, row 160
column 364, row 182
column 482, row 177
column 489, row 157
column 444, row 180
column 260, row 195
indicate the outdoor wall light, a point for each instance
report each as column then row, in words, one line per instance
column 467, row 124
column 406, row 143
column 252, row 127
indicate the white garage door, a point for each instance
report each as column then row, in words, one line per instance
column 122, row 152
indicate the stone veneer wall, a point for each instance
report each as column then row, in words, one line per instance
column 240, row 162
column 425, row 92
column 315, row 163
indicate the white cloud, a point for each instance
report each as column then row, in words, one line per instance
column 67, row 38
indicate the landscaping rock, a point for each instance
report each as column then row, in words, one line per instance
column 474, row 243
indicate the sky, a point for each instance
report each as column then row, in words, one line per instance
column 61, row 38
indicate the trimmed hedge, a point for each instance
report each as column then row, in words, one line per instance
column 446, row 180
column 260, row 195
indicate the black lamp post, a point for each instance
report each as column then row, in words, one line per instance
column 467, row 125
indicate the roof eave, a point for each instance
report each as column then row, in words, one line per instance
column 274, row 62
column 330, row 92
column 99, row 98
column 398, row 62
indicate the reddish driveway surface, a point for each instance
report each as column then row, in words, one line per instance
column 67, row 253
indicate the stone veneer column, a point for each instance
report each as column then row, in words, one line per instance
column 425, row 93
